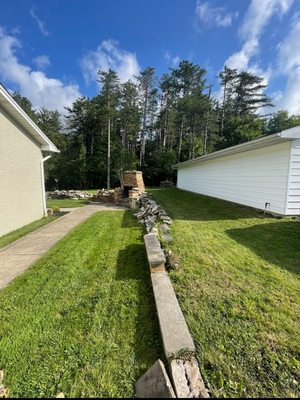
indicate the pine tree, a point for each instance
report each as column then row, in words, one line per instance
column 110, row 94
column 148, row 99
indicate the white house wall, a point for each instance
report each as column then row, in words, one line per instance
column 293, row 198
column 252, row 178
column 21, row 199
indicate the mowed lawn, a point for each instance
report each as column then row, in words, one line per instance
column 25, row 230
column 239, row 286
column 66, row 203
column 70, row 203
column 82, row 319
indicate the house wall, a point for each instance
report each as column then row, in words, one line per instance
column 21, row 200
column 293, row 194
column 252, row 178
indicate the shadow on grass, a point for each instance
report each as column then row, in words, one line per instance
column 183, row 205
column 278, row 243
column 129, row 220
column 132, row 265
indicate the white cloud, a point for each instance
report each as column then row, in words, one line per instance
column 172, row 60
column 214, row 16
column 289, row 49
column 41, row 90
column 289, row 66
column 42, row 62
column 109, row 55
column 40, row 23
column 256, row 19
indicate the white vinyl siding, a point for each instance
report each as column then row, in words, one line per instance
column 252, row 178
column 293, row 196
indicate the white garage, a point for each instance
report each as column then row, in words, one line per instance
column 263, row 173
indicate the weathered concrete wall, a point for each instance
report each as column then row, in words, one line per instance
column 21, row 199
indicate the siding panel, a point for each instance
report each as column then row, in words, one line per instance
column 252, row 178
column 21, row 200
column 293, row 197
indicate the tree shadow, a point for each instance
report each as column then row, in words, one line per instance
column 129, row 220
column 184, row 205
column 132, row 266
column 277, row 242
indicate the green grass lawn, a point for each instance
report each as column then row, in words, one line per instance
column 67, row 203
column 239, row 286
column 17, row 234
column 82, row 319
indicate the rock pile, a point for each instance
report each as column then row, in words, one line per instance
column 69, row 194
column 166, row 184
column 154, row 217
column 104, row 195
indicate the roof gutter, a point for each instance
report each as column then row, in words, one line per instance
column 286, row 135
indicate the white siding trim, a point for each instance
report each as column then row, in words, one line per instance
column 293, row 192
column 252, row 178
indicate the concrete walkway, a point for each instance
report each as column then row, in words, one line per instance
column 19, row 255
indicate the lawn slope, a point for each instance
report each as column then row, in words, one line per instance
column 82, row 319
column 239, row 287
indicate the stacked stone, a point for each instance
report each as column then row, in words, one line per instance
column 166, row 184
column 104, row 195
column 184, row 379
column 68, row 194
column 154, row 217
column 134, row 179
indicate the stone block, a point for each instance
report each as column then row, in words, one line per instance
column 176, row 337
column 164, row 228
column 187, row 380
column 155, row 255
column 167, row 237
column 155, row 383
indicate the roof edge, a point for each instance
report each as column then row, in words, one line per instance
column 45, row 142
column 275, row 138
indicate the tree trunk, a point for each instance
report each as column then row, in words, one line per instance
column 108, row 154
column 180, row 142
column 223, row 111
column 207, row 125
column 143, row 133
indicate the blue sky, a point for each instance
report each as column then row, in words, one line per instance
column 50, row 50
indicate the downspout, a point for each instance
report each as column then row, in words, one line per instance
column 43, row 184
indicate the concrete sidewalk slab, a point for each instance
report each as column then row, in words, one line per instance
column 19, row 255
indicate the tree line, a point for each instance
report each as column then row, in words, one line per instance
column 151, row 123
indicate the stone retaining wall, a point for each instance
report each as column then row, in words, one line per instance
column 177, row 341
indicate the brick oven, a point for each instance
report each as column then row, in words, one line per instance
column 133, row 180
column 132, row 187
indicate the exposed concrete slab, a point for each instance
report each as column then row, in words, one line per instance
column 19, row 255
column 174, row 331
column 155, row 255
column 155, row 383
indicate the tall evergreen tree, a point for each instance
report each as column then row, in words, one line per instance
column 110, row 94
column 148, row 98
column 243, row 97
column 25, row 104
